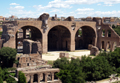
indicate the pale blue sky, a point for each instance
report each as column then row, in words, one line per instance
column 76, row 8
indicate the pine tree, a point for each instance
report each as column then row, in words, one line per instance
column 21, row 78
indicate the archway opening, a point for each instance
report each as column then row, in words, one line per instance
column 102, row 44
column 49, row 77
column 27, row 32
column 35, row 78
column 108, row 46
column 84, row 36
column 59, row 39
column 55, row 77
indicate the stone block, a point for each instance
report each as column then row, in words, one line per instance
column 64, row 55
column 90, row 46
column 94, row 51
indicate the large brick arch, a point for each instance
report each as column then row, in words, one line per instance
column 90, row 37
column 58, row 38
column 59, row 25
column 86, row 26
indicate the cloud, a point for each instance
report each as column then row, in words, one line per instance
column 98, row 4
column 91, row 12
column 69, row 2
column 14, row 4
column 55, row 10
column 61, row 8
column 56, row 4
column 19, row 11
column 84, row 9
column 17, row 8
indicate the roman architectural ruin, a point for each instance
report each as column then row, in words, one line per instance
column 61, row 35
column 33, row 38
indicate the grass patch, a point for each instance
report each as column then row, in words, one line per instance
column 48, row 54
column 12, row 74
column 50, row 63
column 11, row 69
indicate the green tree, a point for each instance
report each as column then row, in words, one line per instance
column 8, row 56
column 61, row 63
column 117, row 30
column 76, row 71
column 87, row 67
column 21, row 78
column 11, row 80
column 1, row 75
column 7, row 78
column 1, row 80
column 70, row 72
column 102, row 68
column 113, row 26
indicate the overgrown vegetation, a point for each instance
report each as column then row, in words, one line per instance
column 4, row 76
column 21, row 78
column 116, row 29
column 7, row 57
column 50, row 63
column 88, row 69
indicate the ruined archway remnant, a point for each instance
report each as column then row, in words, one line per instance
column 44, row 18
column 27, row 32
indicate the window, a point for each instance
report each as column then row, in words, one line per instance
column 103, row 33
column 109, row 33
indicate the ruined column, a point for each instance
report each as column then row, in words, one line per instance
column 100, row 45
column 106, row 33
column 95, row 39
column 52, row 76
column 112, row 46
column 45, row 43
column 31, row 80
column 24, row 33
column 72, row 42
column 59, row 42
column 38, row 78
column 46, row 75
column 105, row 46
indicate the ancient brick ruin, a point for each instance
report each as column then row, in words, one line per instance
column 49, row 34
column 61, row 35
column 44, row 74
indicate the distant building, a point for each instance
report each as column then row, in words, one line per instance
column 62, row 18
column 12, row 18
column 106, row 19
column 89, row 19
column 118, row 24
column 78, row 19
column 83, row 19
column 2, row 18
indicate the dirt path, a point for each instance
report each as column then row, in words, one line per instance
column 55, row 55
column 108, row 80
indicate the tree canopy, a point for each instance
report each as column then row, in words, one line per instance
column 7, row 56
column 88, row 69
column 21, row 78
column 116, row 29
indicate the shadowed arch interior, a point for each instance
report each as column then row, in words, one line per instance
column 28, row 32
column 59, row 38
column 84, row 36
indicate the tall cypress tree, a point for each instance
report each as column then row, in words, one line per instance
column 1, row 75
column 21, row 78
